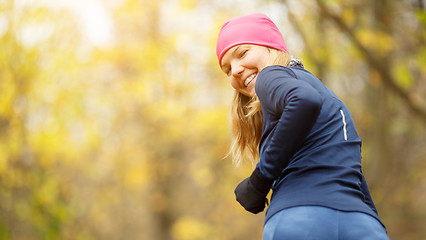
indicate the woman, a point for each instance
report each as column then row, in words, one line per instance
column 301, row 135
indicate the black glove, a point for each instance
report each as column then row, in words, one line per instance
column 251, row 192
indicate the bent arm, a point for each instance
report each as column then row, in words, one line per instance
column 298, row 105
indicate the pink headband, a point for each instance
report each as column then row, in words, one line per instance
column 255, row 28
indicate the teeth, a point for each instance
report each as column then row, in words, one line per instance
column 248, row 80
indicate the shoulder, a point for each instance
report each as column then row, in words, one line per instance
column 277, row 76
column 277, row 85
column 272, row 76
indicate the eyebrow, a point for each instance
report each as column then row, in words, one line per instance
column 233, row 53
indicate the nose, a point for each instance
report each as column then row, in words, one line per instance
column 237, row 69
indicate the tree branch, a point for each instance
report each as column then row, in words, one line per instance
column 374, row 62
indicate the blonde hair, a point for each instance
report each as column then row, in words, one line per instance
column 247, row 118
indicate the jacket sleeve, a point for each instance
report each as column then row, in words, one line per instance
column 296, row 105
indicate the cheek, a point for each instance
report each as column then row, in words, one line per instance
column 234, row 83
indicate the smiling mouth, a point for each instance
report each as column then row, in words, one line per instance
column 249, row 79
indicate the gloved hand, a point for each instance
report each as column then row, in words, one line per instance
column 251, row 192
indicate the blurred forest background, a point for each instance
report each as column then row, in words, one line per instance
column 114, row 114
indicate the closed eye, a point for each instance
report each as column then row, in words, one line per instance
column 243, row 53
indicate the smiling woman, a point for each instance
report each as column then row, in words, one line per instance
column 301, row 137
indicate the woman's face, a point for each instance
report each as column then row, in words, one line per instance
column 242, row 64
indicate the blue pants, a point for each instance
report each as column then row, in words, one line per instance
column 312, row 222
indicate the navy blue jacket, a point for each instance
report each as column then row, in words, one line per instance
column 309, row 144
